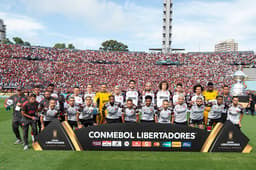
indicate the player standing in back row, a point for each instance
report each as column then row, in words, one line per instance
column 235, row 112
column 132, row 93
column 210, row 96
column 89, row 92
column 100, row 99
column 119, row 97
column 148, row 92
column 178, row 92
column 163, row 94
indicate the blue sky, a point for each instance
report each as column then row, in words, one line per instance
column 197, row 25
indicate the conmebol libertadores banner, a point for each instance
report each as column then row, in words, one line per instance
column 143, row 137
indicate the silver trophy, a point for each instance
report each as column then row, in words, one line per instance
column 238, row 89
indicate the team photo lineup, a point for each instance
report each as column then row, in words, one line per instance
column 202, row 109
column 127, row 84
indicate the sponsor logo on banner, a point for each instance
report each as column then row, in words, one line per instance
column 176, row 144
column 156, row 144
column 106, row 143
column 186, row 144
column 96, row 143
column 126, row 143
column 116, row 143
column 136, row 143
column 167, row 144
column 230, row 142
column 230, row 136
column 54, row 133
column 146, row 144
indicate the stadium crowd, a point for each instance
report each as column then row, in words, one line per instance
column 25, row 66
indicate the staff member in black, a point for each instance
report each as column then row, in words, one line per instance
column 251, row 105
column 16, row 101
column 29, row 112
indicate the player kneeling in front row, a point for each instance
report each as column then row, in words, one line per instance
column 130, row 112
column 180, row 112
column 87, row 115
column 235, row 112
column 112, row 111
column 197, row 114
column 216, row 112
column 70, row 112
column 164, row 113
column 29, row 112
column 49, row 114
column 147, row 111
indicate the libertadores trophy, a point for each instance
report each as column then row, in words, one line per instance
column 238, row 89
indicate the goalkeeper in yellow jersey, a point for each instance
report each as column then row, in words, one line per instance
column 101, row 98
column 210, row 96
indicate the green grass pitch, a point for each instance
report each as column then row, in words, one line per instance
column 13, row 157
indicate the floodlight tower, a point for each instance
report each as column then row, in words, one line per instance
column 167, row 27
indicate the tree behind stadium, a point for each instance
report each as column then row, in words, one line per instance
column 113, row 45
column 18, row 41
column 63, row 45
column 59, row 45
